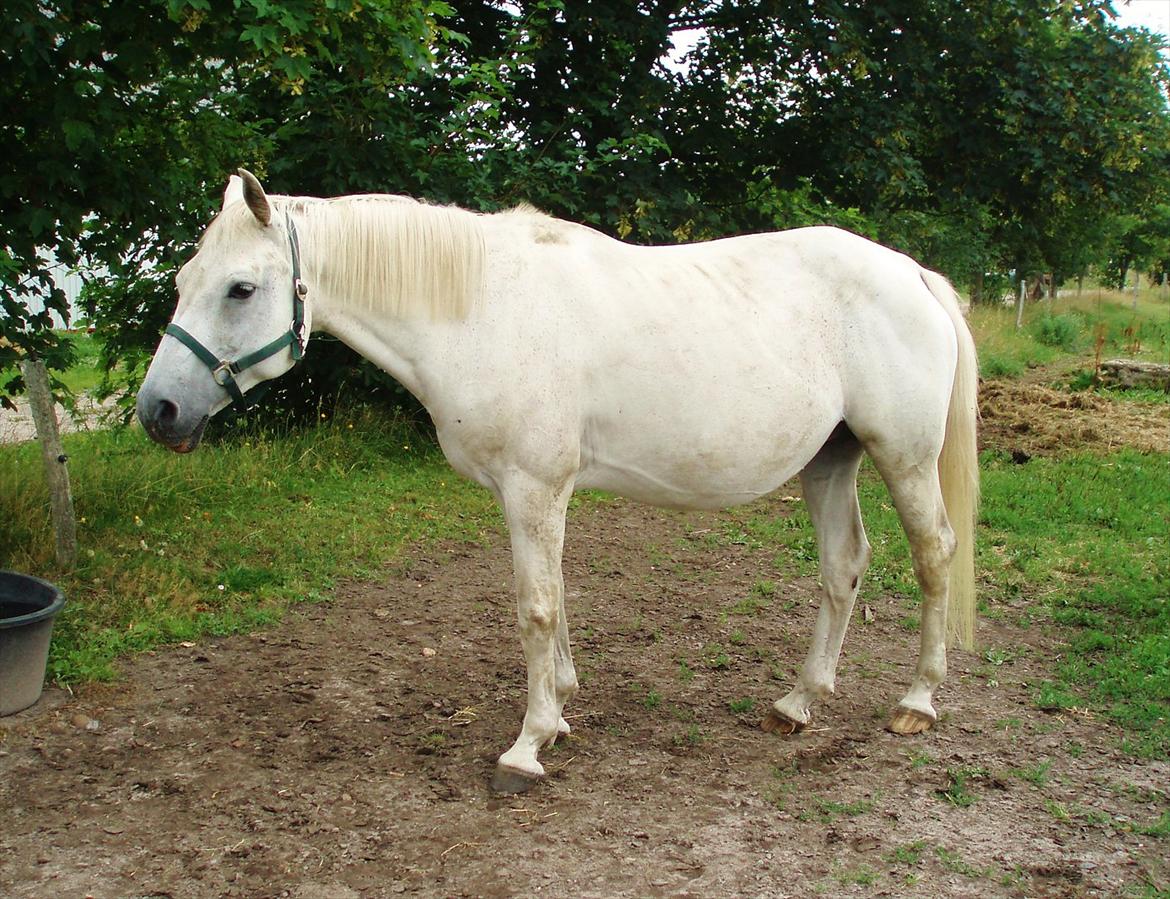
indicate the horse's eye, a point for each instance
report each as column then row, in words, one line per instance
column 241, row 290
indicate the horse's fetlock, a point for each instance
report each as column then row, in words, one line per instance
column 567, row 688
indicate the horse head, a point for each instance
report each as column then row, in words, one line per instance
column 240, row 320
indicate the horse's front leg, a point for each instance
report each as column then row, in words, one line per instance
column 535, row 513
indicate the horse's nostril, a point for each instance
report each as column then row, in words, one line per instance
column 166, row 413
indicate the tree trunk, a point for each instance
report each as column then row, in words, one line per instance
column 40, row 397
column 1020, row 303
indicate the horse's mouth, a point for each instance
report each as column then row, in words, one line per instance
column 191, row 441
column 172, row 441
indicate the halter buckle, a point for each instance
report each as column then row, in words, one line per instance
column 222, row 374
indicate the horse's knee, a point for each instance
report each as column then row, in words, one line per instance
column 537, row 613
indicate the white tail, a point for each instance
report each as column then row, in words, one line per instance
column 958, row 468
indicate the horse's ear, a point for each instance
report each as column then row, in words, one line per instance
column 234, row 192
column 254, row 196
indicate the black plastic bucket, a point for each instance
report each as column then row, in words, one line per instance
column 28, row 606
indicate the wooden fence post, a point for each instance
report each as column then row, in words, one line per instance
column 40, row 397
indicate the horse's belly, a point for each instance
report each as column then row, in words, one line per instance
column 701, row 488
column 699, row 467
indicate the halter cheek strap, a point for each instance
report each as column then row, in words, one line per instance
column 224, row 371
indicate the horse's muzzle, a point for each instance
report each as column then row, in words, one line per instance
column 163, row 423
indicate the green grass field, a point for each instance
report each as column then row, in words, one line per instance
column 1099, row 323
column 175, row 548
column 85, row 374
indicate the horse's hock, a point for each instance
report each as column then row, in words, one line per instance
column 1129, row 374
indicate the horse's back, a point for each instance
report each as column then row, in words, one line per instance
column 710, row 373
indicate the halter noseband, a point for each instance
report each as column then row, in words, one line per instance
column 224, row 371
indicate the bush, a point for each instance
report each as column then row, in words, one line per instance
column 1063, row 331
column 996, row 365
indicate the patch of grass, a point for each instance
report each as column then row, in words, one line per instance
column 1085, row 536
column 765, row 589
column 907, row 853
column 825, row 811
column 862, row 875
column 748, row 607
column 741, row 706
column 693, row 736
column 1034, row 774
column 1000, row 365
column 957, row 791
column 952, row 861
column 433, row 741
column 1069, row 330
column 1160, row 829
column 652, row 700
column 174, row 547
column 1005, row 352
column 1062, row 331
column 715, row 657
column 1057, row 810
column 998, row 655
column 85, row 373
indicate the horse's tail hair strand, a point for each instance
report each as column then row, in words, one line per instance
column 958, row 468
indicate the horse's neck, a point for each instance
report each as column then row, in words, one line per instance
column 394, row 255
column 402, row 348
column 389, row 277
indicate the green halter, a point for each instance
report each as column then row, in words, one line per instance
column 224, row 371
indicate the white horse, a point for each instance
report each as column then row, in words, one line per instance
column 552, row 358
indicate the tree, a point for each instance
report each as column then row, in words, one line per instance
column 977, row 136
column 120, row 118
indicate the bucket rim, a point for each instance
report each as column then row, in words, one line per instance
column 48, row 612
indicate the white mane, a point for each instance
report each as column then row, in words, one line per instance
column 383, row 252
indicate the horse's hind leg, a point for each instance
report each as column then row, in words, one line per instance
column 829, row 482
column 918, row 498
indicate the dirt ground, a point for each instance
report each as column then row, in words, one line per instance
column 347, row 752
column 17, row 426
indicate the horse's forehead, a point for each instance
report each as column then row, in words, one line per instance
column 219, row 257
column 222, row 248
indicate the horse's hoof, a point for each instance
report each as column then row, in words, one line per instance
column 907, row 722
column 509, row 781
column 774, row 722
